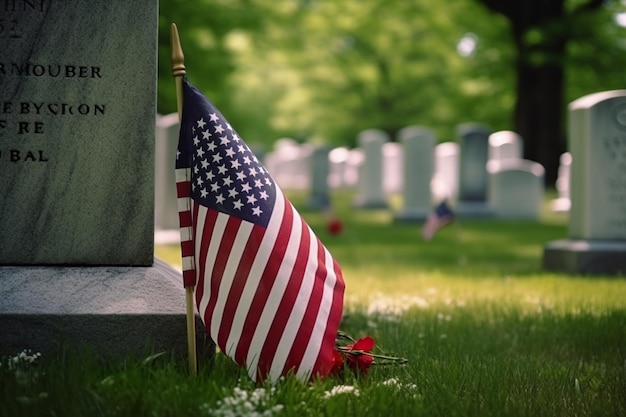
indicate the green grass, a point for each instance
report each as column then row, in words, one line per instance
column 487, row 333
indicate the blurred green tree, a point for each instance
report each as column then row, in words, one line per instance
column 204, row 26
column 549, row 36
column 326, row 69
column 337, row 67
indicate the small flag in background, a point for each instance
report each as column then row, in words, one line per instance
column 441, row 217
column 269, row 292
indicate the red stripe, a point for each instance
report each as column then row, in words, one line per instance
column 307, row 325
column 239, row 282
column 324, row 359
column 184, row 218
column 265, row 285
column 287, row 303
column 186, row 248
column 189, row 278
column 217, row 273
column 183, row 189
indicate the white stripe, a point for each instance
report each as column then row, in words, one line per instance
column 185, row 234
column 256, row 271
column 315, row 343
column 187, row 263
column 299, row 311
column 183, row 174
column 214, row 244
column 234, row 258
column 276, row 293
column 183, row 204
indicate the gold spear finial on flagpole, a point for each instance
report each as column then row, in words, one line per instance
column 178, row 58
column 179, row 71
column 178, row 66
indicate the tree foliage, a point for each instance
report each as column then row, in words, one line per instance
column 204, row 27
column 326, row 69
column 542, row 31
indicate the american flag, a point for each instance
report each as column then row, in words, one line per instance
column 439, row 218
column 269, row 292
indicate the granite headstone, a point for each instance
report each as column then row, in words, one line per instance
column 165, row 207
column 289, row 164
column 77, row 133
column 473, row 139
column 562, row 202
column 338, row 162
column 597, row 223
column 419, row 154
column 370, row 187
column 516, row 188
column 505, row 144
column 445, row 182
column 77, row 122
column 320, row 167
column 393, row 167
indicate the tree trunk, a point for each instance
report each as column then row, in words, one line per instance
column 539, row 114
column 539, row 107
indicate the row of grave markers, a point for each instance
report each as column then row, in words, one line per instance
column 483, row 173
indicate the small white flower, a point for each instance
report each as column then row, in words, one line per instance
column 342, row 389
column 397, row 385
column 392, row 307
column 443, row 317
column 391, row 381
column 23, row 358
column 244, row 403
column 372, row 324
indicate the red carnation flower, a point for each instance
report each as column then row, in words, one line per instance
column 337, row 362
column 334, row 226
column 357, row 354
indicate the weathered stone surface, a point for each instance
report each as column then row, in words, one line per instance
column 112, row 311
column 597, row 222
column 586, row 257
column 77, row 121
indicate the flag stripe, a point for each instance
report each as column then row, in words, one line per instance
column 183, row 176
column 319, row 351
column 214, row 264
column 184, row 218
column 305, row 328
column 239, row 262
column 242, row 329
column 266, row 305
column 210, row 232
column 287, row 296
column 186, row 235
column 204, row 224
column 186, row 246
column 185, row 222
column 237, row 289
column 222, row 271
column 297, row 332
column 332, row 307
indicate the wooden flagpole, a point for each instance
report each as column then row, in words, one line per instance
column 179, row 71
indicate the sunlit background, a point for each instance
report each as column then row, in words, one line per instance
column 323, row 70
